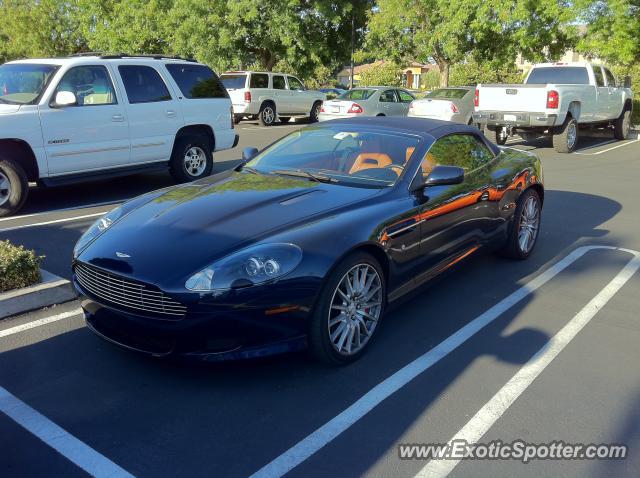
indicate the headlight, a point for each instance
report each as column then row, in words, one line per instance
column 97, row 229
column 251, row 266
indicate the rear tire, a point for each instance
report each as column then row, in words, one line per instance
column 496, row 135
column 622, row 126
column 191, row 159
column 315, row 112
column 527, row 216
column 14, row 187
column 326, row 316
column 267, row 115
column 566, row 139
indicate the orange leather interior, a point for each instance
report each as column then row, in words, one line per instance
column 410, row 151
column 428, row 163
column 370, row 160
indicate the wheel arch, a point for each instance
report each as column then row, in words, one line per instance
column 538, row 189
column 20, row 151
column 372, row 248
column 202, row 130
column 574, row 110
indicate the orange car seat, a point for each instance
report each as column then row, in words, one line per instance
column 370, row 160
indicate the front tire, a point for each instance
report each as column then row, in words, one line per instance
column 348, row 310
column 497, row 135
column 566, row 140
column 622, row 126
column 525, row 228
column 14, row 187
column 191, row 159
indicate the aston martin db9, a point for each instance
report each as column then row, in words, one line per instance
column 305, row 243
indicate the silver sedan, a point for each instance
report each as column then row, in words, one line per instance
column 367, row 101
column 448, row 104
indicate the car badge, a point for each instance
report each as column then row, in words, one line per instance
column 122, row 255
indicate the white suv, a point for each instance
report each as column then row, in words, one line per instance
column 73, row 119
column 268, row 96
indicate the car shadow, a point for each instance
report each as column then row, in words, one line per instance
column 243, row 414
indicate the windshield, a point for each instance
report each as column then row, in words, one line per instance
column 448, row 93
column 22, row 84
column 352, row 157
column 559, row 75
column 356, row 95
column 234, row 82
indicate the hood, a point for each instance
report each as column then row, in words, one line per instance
column 6, row 109
column 190, row 226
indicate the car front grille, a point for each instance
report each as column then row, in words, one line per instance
column 127, row 294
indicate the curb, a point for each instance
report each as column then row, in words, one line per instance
column 50, row 291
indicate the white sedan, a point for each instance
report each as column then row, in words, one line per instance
column 448, row 104
column 367, row 101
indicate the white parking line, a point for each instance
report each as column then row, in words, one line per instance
column 57, row 221
column 340, row 423
column 509, row 393
column 37, row 323
column 59, row 439
column 627, row 143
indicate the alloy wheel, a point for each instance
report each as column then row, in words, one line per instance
column 572, row 134
column 268, row 115
column 356, row 307
column 5, row 188
column 529, row 224
column 195, row 161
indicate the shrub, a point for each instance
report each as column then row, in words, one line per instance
column 430, row 80
column 19, row 267
column 473, row 72
column 381, row 74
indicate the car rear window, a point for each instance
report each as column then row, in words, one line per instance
column 234, row 82
column 197, row 81
column 259, row 80
column 562, row 75
column 356, row 94
column 447, row 93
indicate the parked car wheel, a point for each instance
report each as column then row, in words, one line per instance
column 191, row 159
column 315, row 111
column 267, row 115
column 348, row 311
column 622, row 125
column 284, row 119
column 497, row 134
column 237, row 119
column 14, row 187
column 523, row 232
column 566, row 139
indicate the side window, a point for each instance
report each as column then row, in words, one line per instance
column 462, row 150
column 597, row 71
column 611, row 80
column 387, row 96
column 91, row 85
column 278, row 82
column 259, row 80
column 405, row 96
column 143, row 84
column 197, row 81
column 295, row 84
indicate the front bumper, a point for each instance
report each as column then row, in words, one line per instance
column 514, row 118
column 213, row 332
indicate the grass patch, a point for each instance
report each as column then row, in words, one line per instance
column 19, row 267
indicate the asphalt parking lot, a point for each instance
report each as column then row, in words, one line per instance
column 542, row 350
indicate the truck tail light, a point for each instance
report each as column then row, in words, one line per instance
column 553, row 99
column 476, row 99
column 247, row 97
column 322, row 108
column 454, row 108
column 355, row 109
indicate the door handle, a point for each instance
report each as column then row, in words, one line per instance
column 171, row 114
column 117, row 118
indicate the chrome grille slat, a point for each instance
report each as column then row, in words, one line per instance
column 126, row 293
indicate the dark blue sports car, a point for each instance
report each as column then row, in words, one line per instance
column 305, row 243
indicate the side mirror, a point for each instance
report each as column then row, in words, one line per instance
column 65, row 98
column 442, row 176
column 627, row 81
column 249, row 153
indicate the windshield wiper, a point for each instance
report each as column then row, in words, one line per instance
column 305, row 174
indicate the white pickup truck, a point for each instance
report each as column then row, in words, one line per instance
column 86, row 117
column 557, row 99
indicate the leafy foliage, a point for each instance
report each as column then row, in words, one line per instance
column 381, row 74
column 473, row 72
column 19, row 267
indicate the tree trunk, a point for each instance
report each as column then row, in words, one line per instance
column 267, row 60
column 444, row 68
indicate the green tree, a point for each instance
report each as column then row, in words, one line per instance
column 381, row 74
column 37, row 28
column 472, row 72
column 449, row 31
column 612, row 30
